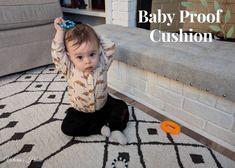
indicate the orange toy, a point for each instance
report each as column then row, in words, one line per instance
column 170, row 127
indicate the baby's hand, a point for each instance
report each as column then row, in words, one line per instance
column 57, row 22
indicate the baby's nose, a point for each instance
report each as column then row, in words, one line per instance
column 87, row 60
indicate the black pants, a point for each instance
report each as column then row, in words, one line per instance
column 115, row 113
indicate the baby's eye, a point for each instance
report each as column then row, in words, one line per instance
column 79, row 57
column 92, row 54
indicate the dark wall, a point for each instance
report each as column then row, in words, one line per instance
column 143, row 5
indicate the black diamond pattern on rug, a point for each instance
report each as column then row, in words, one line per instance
column 51, row 96
column 2, row 106
column 152, row 131
column 5, row 115
column 26, row 148
column 11, row 124
column 35, row 164
column 38, row 86
column 197, row 159
column 17, row 136
column 124, row 155
column 27, row 77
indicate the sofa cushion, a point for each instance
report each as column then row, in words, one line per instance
column 26, row 36
column 20, row 50
column 25, row 13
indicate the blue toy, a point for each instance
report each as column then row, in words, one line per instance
column 67, row 24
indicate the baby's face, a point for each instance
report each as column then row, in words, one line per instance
column 85, row 57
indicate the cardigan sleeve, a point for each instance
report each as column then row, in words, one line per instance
column 60, row 58
column 107, row 50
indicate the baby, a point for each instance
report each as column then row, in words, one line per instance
column 84, row 58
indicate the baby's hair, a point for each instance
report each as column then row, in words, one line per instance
column 79, row 34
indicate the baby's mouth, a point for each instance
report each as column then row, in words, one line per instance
column 89, row 68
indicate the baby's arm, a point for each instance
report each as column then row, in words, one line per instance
column 108, row 45
column 109, row 49
column 59, row 56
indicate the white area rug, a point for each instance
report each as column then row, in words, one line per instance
column 32, row 106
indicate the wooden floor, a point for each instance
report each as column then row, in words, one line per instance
column 224, row 151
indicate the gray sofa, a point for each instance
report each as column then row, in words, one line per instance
column 26, row 31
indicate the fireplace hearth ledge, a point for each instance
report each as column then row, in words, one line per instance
column 191, row 83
